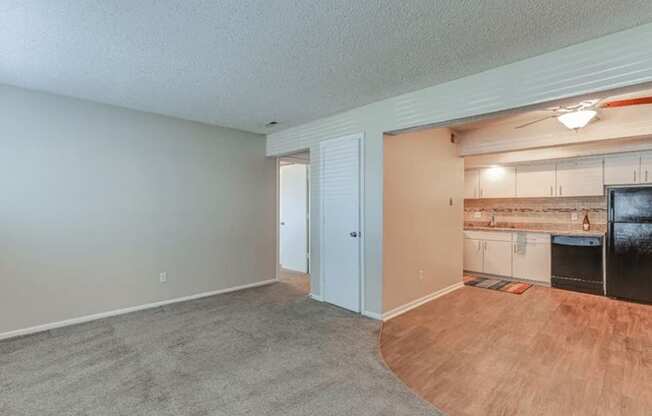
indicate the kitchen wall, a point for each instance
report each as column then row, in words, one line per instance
column 422, row 244
column 551, row 213
column 96, row 201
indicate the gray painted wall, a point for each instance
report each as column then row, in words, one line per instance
column 95, row 201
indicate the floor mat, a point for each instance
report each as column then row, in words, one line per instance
column 497, row 284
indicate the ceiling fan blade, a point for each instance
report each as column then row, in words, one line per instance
column 535, row 121
column 627, row 102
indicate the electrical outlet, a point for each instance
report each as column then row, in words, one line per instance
column 420, row 274
column 163, row 277
column 574, row 216
column 477, row 214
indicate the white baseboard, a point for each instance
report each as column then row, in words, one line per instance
column 102, row 315
column 318, row 298
column 372, row 315
column 416, row 303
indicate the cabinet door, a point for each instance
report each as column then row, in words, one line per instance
column 498, row 182
column 535, row 180
column 583, row 177
column 473, row 255
column 498, row 258
column 471, row 184
column 532, row 263
column 646, row 167
column 622, row 169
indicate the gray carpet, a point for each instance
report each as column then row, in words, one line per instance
column 265, row 351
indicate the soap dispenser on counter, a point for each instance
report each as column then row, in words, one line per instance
column 586, row 224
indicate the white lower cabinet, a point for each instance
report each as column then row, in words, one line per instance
column 505, row 254
column 498, row 258
column 473, row 255
column 531, row 257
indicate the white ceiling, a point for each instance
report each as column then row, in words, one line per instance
column 242, row 63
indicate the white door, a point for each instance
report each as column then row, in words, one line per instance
column 471, row 184
column 498, row 258
column 293, row 215
column 622, row 169
column 498, row 182
column 473, row 253
column 536, row 180
column 583, row 177
column 340, row 221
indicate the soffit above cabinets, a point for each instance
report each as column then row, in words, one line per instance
column 513, row 133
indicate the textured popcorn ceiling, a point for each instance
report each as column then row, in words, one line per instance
column 242, row 63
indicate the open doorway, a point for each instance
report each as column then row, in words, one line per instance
column 294, row 217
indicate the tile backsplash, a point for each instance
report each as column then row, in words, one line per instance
column 554, row 211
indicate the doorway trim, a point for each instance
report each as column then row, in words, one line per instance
column 363, row 233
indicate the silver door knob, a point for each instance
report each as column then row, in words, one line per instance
column 353, row 234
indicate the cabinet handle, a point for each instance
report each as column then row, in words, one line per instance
column 645, row 175
column 634, row 175
column 514, row 248
column 481, row 193
column 551, row 191
column 560, row 192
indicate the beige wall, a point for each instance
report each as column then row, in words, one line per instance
column 96, row 201
column 421, row 230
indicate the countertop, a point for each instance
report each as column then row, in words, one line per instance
column 537, row 228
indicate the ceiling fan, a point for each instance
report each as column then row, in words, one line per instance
column 579, row 115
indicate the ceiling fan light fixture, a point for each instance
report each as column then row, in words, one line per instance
column 577, row 119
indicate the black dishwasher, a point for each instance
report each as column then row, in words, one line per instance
column 577, row 264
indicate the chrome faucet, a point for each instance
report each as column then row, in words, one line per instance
column 492, row 223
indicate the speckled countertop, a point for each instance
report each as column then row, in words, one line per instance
column 554, row 229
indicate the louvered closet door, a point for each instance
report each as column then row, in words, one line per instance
column 340, row 222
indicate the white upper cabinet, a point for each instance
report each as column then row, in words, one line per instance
column 646, row 167
column 581, row 177
column 498, row 182
column 622, row 169
column 471, row 184
column 536, row 180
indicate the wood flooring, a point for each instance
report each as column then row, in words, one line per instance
column 545, row 352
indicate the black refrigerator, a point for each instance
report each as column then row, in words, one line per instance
column 629, row 244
